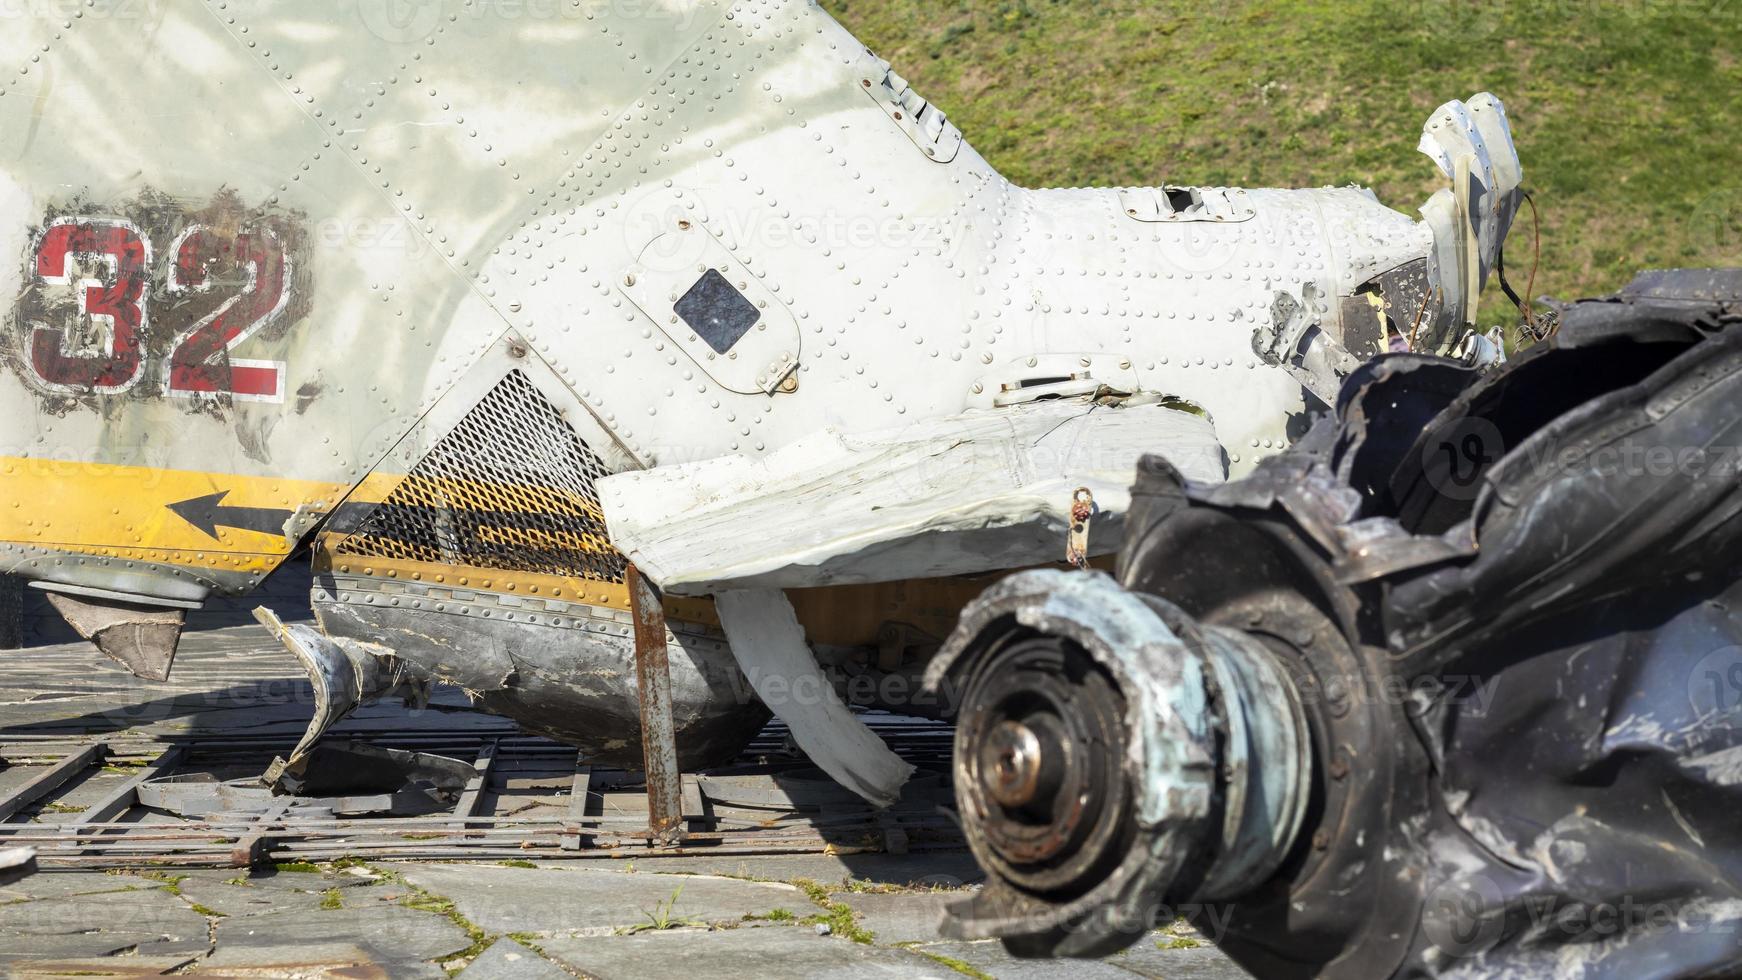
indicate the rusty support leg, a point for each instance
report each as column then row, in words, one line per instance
column 11, row 612
column 658, row 732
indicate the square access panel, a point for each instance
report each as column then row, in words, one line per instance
column 732, row 322
column 717, row 312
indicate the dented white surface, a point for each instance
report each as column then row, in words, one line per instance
column 971, row 493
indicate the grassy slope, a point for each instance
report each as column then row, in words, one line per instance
column 1628, row 113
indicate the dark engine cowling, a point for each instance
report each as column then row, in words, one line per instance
column 1454, row 686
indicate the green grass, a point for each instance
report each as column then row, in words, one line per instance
column 1627, row 113
column 838, row 916
column 663, row 916
column 951, row 962
column 171, row 882
column 427, row 901
column 1177, row 942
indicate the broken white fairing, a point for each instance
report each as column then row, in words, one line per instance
column 303, row 242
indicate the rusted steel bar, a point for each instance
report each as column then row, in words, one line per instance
column 49, row 781
column 253, row 848
column 658, row 731
column 124, row 796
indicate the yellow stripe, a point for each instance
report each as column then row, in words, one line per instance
column 124, row 511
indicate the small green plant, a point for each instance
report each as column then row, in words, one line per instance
column 838, row 916
column 529, row 940
column 330, row 899
column 426, row 901
column 171, row 882
column 517, row 863
column 1177, row 942
column 298, row 867
column 663, row 917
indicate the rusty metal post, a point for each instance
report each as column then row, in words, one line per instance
column 11, row 612
column 658, row 731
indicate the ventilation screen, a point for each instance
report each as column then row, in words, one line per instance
column 510, row 488
column 718, row 313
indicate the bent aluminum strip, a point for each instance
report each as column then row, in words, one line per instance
column 770, row 646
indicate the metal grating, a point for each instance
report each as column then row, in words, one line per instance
column 511, row 487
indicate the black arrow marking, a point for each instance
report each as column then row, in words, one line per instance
column 208, row 513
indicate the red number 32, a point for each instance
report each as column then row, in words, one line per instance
column 114, row 307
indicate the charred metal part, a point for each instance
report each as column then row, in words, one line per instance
column 1406, row 296
column 1481, row 629
column 658, row 733
column 1110, row 753
column 812, row 789
column 557, row 667
column 141, row 638
column 343, row 673
column 351, row 768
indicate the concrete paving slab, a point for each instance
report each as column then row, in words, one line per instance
column 22, row 948
column 549, row 902
column 322, row 962
column 304, row 881
column 989, row 957
column 63, row 884
column 900, row 917
column 942, row 869
column 118, row 966
column 1150, row 959
column 149, row 919
column 371, row 934
column 787, row 953
column 219, row 895
column 509, row 960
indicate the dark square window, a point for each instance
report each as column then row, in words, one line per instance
column 718, row 313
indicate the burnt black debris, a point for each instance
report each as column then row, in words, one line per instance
column 1505, row 604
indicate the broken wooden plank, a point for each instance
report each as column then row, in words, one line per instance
column 467, row 807
column 571, row 838
column 49, row 781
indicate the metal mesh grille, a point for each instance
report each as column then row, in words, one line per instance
column 510, row 488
